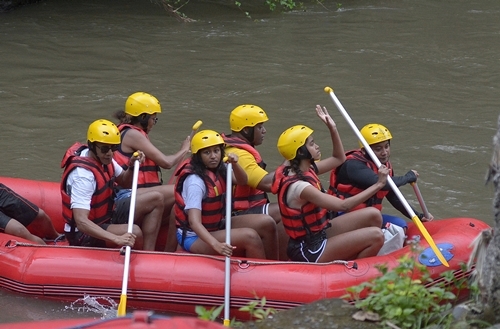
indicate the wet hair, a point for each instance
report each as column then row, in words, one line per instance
column 199, row 167
column 125, row 118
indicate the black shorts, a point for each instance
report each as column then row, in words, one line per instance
column 12, row 205
column 120, row 216
column 254, row 210
column 307, row 250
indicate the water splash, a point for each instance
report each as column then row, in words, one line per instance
column 104, row 306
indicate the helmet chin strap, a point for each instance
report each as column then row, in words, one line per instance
column 93, row 149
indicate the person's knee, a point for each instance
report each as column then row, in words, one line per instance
column 251, row 237
column 376, row 236
column 269, row 223
column 42, row 216
column 136, row 230
column 375, row 216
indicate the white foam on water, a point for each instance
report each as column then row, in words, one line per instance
column 104, row 306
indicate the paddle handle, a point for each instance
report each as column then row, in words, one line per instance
column 122, row 307
column 194, row 129
column 393, row 186
column 420, row 199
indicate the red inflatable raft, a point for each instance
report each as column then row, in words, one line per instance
column 177, row 282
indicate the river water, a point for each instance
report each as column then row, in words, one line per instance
column 428, row 70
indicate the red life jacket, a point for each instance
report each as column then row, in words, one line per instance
column 101, row 205
column 213, row 205
column 149, row 171
column 344, row 191
column 304, row 222
column 245, row 196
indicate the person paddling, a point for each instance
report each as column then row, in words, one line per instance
column 92, row 217
column 307, row 212
column 359, row 172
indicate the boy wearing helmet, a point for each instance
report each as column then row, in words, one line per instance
column 200, row 205
column 136, row 122
column 306, row 210
column 87, row 190
column 359, row 172
column 247, row 132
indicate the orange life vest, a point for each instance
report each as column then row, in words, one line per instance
column 149, row 171
column 304, row 222
column 344, row 191
column 244, row 196
column 101, row 205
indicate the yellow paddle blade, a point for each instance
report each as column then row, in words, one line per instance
column 429, row 240
column 122, row 307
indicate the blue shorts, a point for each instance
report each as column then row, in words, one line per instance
column 123, row 193
column 189, row 239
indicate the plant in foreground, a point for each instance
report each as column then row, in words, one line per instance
column 400, row 296
column 256, row 309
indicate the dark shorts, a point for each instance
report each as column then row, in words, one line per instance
column 307, row 250
column 120, row 216
column 12, row 205
column 254, row 210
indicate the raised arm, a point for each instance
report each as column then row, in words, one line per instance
column 338, row 153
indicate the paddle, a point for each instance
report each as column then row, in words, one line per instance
column 420, row 199
column 122, row 307
column 227, row 281
column 195, row 128
column 368, row 149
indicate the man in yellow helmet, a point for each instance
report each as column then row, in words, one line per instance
column 247, row 132
column 359, row 172
column 87, row 190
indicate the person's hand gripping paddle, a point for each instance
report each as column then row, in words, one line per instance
column 393, row 186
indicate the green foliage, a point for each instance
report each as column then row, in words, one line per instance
column 401, row 300
column 256, row 308
column 285, row 4
column 210, row 315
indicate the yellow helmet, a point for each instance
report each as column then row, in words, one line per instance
column 246, row 116
column 103, row 131
column 375, row 133
column 140, row 102
column 205, row 138
column 292, row 139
